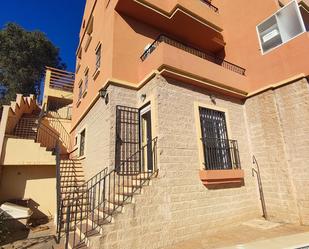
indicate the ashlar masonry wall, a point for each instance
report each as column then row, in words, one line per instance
column 278, row 123
column 176, row 206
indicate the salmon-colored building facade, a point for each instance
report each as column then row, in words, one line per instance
column 183, row 118
column 200, row 95
column 132, row 25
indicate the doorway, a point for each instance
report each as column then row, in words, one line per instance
column 146, row 139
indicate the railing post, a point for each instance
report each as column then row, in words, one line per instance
column 58, row 186
column 67, row 227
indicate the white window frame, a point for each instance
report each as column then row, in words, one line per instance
column 275, row 15
column 84, row 129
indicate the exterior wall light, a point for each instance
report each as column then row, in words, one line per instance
column 143, row 97
column 104, row 95
column 212, row 98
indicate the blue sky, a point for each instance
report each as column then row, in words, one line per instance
column 60, row 20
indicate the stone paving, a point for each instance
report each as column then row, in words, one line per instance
column 41, row 237
column 255, row 234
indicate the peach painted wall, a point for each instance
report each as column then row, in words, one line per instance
column 103, row 33
column 242, row 45
column 124, row 39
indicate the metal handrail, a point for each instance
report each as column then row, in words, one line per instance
column 258, row 175
column 66, row 140
column 197, row 52
column 96, row 204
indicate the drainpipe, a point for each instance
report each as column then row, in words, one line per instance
column 258, row 174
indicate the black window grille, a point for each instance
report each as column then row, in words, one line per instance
column 127, row 158
column 219, row 152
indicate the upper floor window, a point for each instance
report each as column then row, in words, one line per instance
column 90, row 26
column 89, row 31
column 82, row 143
column 220, row 153
column 80, row 90
column 86, row 79
column 98, row 57
column 79, row 53
column 281, row 27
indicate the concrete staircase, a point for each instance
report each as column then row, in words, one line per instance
column 29, row 153
column 27, row 126
column 71, row 179
column 94, row 219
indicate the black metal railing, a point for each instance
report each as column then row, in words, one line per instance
column 210, row 5
column 63, row 134
column 65, row 200
column 96, row 203
column 61, row 80
column 202, row 54
column 220, row 154
column 47, row 137
column 58, row 191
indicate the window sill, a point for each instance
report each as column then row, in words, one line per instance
column 96, row 73
column 222, row 178
column 81, row 157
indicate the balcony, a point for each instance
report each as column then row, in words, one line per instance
column 184, row 19
column 58, row 86
column 186, row 63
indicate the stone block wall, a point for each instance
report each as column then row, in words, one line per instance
column 177, row 206
column 271, row 125
column 278, row 122
column 97, row 124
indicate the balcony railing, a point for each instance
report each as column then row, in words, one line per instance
column 220, row 154
column 204, row 55
column 210, row 5
column 61, row 80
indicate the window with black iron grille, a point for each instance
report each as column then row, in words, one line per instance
column 219, row 152
column 82, row 143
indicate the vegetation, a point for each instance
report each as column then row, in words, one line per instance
column 23, row 57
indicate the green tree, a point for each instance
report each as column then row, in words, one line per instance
column 23, row 57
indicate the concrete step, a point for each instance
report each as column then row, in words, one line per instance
column 73, row 186
column 72, row 179
column 125, row 199
column 73, row 170
column 84, row 231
